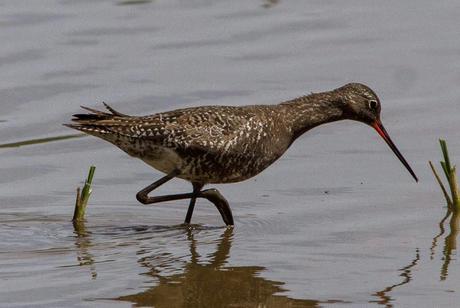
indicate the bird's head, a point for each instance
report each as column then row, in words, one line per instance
column 361, row 104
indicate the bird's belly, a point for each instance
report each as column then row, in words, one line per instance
column 203, row 169
column 208, row 167
column 227, row 169
column 193, row 169
column 163, row 159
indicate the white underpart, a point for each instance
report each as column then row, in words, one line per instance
column 164, row 159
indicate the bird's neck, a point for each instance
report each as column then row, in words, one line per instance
column 306, row 112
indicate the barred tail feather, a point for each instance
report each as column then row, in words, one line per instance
column 96, row 115
column 94, row 122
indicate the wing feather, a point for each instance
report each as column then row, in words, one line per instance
column 205, row 129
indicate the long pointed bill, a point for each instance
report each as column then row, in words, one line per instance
column 383, row 133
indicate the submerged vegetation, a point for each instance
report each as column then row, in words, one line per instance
column 453, row 200
column 82, row 198
column 40, row 140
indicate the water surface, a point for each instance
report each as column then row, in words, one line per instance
column 337, row 221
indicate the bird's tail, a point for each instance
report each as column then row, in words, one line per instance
column 97, row 122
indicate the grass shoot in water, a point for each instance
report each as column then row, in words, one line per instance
column 82, row 199
column 453, row 200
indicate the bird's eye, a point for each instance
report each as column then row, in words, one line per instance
column 373, row 105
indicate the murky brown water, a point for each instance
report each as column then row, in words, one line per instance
column 336, row 222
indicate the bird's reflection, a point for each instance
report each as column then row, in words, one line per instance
column 384, row 296
column 450, row 241
column 83, row 244
column 449, row 248
column 212, row 284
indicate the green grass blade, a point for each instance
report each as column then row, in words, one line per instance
column 86, row 192
column 454, row 188
column 444, row 190
column 77, row 212
column 82, row 199
column 453, row 200
column 444, row 167
column 445, row 153
column 89, row 180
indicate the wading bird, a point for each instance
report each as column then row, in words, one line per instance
column 226, row 144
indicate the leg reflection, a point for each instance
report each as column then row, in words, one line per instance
column 209, row 282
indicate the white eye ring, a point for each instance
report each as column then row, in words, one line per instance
column 373, row 104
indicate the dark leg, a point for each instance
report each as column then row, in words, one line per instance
column 196, row 190
column 214, row 196
column 143, row 197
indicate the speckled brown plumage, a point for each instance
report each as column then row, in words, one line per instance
column 224, row 144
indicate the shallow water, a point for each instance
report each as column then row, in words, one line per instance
column 336, row 222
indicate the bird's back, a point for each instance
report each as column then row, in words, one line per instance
column 208, row 144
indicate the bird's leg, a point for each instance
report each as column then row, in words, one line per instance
column 214, row 196
column 143, row 197
column 196, row 190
